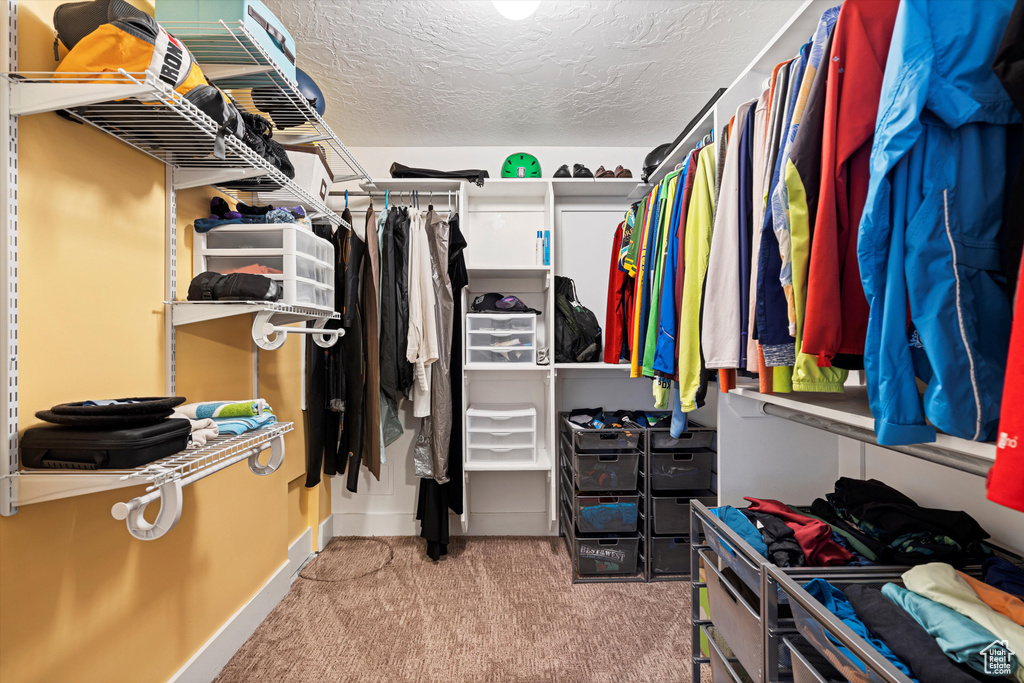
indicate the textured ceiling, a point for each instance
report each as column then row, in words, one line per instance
column 451, row 72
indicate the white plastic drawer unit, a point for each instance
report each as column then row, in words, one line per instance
column 501, row 338
column 501, row 433
column 302, row 262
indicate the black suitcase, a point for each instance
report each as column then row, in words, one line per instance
column 55, row 447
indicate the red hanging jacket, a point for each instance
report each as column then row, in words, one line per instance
column 620, row 305
column 836, row 316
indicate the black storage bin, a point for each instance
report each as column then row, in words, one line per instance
column 697, row 438
column 607, row 514
column 607, row 556
column 671, row 515
column 670, row 555
column 682, row 470
column 54, row 447
column 607, row 472
column 616, row 440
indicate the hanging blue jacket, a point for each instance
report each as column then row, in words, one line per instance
column 665, row 351
column 930, row 228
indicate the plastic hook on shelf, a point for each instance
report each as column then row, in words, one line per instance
column 271, row 337
column 134, row 511
column 276, row 458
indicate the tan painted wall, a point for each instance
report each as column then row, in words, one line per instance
column 80, row 599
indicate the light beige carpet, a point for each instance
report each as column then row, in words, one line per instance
column 497, row 610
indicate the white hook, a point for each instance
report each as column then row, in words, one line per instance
column 134, row 511
column 276, row 457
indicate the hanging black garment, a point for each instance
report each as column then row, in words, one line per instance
column 351, row 443
column 395, row 369
column 435, row 500
column 325, row 387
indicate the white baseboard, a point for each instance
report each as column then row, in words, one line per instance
column 480, row 524
column 326, row 533
column 208, row 661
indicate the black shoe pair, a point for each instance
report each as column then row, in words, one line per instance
column 578, row 171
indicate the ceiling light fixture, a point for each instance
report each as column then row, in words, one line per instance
column 516, row 10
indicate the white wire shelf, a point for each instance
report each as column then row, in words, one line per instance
column 233, row 59
column 143, row 112
column 163, row 478
column 268, row 318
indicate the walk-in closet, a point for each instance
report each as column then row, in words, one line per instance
column 512, row 341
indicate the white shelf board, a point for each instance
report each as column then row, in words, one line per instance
column 510, row 187
column 851, row 408
column 409, row 184
column 508, row 272
column 639, row 191
column 614, row 367
column 593, row 187
column 188, row 312
column 542, row 464
column 507, row 367
column 789, row 39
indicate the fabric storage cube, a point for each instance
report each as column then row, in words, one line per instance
column 607, row 556
column 607, row 472
column 681, row 471
column 670, row 555
column 265, row 28
column 671, row 515
column 607, row 514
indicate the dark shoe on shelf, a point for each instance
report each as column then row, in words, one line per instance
column 562, row 172
column 581, row 171
column 623, row 172
column 602, row 173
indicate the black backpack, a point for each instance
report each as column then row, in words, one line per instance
column 577, row 334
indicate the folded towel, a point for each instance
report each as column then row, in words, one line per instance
column 196, row 411
column 202, row 430
column 240, row 425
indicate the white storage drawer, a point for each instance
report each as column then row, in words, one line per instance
column 501, row 454
column 302, row 262
column 499, row 340
column 502, row 417
column 501, row 439
column 300, row 266
column 501, row 322
column 518, row 354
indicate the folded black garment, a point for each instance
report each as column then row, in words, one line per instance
column 474, row 175
column 210, row 286
column 914, row 534
column 821, row 508
column 905, row 637
column 783, row 549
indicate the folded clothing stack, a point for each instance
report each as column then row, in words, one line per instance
column 231, row 417
column 861, row 523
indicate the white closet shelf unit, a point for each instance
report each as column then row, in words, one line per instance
column 163, row 478
column 141, row 111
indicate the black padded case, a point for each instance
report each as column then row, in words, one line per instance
column 55, row 447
